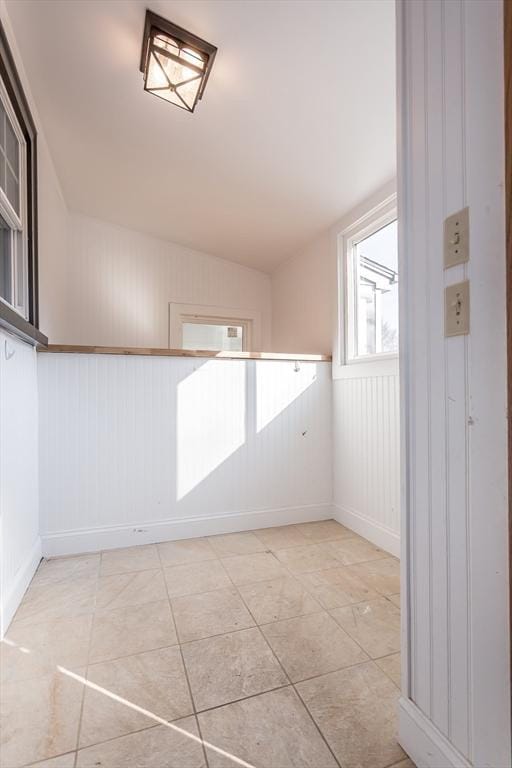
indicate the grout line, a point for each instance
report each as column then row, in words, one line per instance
column 84, row 692
column 185, row 671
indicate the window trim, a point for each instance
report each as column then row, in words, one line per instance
column 345, row 365
column 234, row 315
column 10, row 319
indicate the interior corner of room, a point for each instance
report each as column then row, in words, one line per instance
column 239, row 381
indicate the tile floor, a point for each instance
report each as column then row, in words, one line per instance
column 273, row 648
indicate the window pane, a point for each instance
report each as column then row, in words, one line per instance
column 228, row 338
column 377, row 292
column 5, row 262
column 12, row 147
column 12, row 190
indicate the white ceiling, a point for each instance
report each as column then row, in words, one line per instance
column 297, row 123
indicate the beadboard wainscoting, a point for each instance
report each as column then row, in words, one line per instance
column 367, row 457
column 141, row 449
column 455, row 709
column 20, row 544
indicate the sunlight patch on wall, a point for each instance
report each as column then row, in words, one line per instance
column 210, row 420
column 277, row 388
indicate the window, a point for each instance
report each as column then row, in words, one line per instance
column 18, row 205
column 215, row 334
column 211, row 328
column 13, row 229
column 370, row 259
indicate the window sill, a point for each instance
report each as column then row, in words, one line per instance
column 12, row 322
column 365, row 369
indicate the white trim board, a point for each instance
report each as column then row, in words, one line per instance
column 423, row 742
column 375, row 532
column 11, row 601
column 114, row 537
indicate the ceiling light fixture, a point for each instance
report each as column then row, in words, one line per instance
column 176, row 64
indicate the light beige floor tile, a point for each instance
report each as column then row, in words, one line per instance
column 185, row 551
column 272, row 730
column 246, row 569
column 140, row 558
column 354, row 550
column 312, row 645
column 63, row 761
column 391, row 666
column 194, row 578
column 64, row 599
column 236, row 544
column 35, row 650
column 336, row 587
column 381, row 575
column 229, row 667
column 407, row 763
column 278, row 599
column 132, row 630
column 177, row 745
column 154, row 682
column 129, row 589
column 65, row 568
column 324, row 530
column 356, row 711
column 375, row 625
column 313, row 557
column 39, row 718
column 281, row 537
column 210, row 613
column 395, row 599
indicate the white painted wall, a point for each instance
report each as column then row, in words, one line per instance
column 366, row 445
column 121, row 282
column 54, row 257
column 137, row 449
column 20, row 543
column 302, row 305
column 455, row 708
column 366, row 469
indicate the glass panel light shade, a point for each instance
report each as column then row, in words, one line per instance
column 175, row 63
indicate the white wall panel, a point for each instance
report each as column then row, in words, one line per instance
column 120, row 283
column 134, row 442
column 20, row 545
column 367, row 457
column 457, row 686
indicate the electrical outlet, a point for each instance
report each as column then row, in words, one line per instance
column 456, row 317
column 456, row 238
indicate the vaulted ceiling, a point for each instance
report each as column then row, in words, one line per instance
column 296, row 126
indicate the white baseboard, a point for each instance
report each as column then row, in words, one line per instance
column 10, row 601
column 423, row 742
column 112, row 537
column 375, row 532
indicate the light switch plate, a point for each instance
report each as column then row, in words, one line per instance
column 456, row 313
column 456, row 238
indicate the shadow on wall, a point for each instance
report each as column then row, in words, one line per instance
column 217, row 416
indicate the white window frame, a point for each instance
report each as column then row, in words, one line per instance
column 346, row 364
column 214, row 315
column 17, row 222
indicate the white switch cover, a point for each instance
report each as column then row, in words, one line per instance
column 456, row 317
column 456, row 238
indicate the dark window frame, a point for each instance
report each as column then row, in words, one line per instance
column 10, row 320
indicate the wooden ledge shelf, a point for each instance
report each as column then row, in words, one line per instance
column 154, row 352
